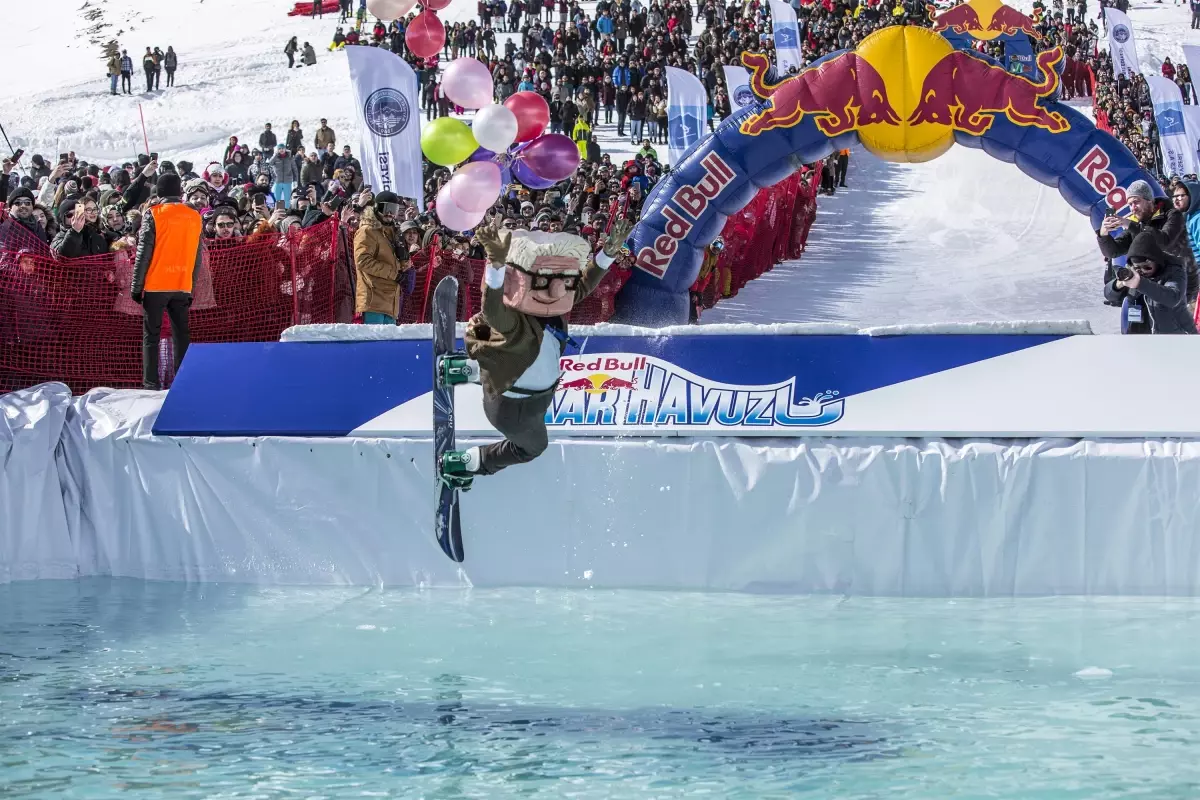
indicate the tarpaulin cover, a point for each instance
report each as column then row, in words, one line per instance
column 882, row 517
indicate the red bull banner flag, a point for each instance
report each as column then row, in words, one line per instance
column 1121, row 44
column 905, row 94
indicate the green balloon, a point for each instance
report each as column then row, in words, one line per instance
column 447, row 141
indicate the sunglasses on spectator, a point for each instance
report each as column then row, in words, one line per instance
column 388, row 208
column 22, row 202
column 225, row 225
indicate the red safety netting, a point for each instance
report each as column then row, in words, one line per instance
column 72, row 320
column 772, row 228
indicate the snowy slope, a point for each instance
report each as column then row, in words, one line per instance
column 232, row 78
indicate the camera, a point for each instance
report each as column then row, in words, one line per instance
column 1124, row 273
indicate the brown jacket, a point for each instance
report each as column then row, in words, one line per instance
column 506, row 342
column 378, row 267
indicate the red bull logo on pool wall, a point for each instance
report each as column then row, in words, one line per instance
column 622, row 390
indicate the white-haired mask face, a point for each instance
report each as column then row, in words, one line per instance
column 543, row 272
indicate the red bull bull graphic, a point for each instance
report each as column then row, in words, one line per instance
column 966, row 92
column 842, row 93
column 961, row 19
column 982, row 19
column 628, row 391
column 906, row 94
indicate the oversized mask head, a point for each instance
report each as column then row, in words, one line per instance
column 542, row 272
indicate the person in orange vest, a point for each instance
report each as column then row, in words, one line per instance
column 169, row 254
column 839, row 170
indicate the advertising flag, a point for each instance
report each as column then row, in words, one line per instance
column 1177, row 150
column 1121, row 45
column 737, row 83
column 389, row 123
column 787, row 36
column 687, row 112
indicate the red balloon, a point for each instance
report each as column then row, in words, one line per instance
column 426, row 36
column 532, row 113
column 435, row 5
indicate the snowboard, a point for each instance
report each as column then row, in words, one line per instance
column 446, row 524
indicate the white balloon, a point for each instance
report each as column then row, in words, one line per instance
column 388, row 10
column 495, row 127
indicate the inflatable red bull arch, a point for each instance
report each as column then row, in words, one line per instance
column 907, row 94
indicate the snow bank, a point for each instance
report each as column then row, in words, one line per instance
column 879, row 517
column 381, row 333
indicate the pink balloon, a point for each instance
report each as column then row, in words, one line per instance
column 388, row 10
column 475, row 185
column 553, row 156
column 532, row 112
column 453, row 217
column 436, row 5
column 468, row 83
column 426, row 36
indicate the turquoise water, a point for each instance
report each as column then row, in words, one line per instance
column 121, row 688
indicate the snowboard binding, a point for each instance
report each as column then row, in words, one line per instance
column 456, row 368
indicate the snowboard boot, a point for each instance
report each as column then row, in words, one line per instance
column 458, row 467
column 456, row 368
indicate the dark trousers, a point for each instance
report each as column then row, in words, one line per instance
column 522, row 420
column 127, row 83
column 839, row 175
column 176, row 304
column 149, row 80
column 170, row 77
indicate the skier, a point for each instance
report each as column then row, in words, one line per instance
column 514, row 344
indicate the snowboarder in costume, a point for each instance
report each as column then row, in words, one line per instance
column 515, row 343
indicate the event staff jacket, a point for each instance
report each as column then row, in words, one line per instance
column 170, row 250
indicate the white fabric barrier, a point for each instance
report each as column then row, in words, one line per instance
column 34, row 539
column 898, row 517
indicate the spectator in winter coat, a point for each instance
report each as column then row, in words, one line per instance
column 20, row 206
column 290, row 50
column 1159, row 280
column 295, row 137
column 114, row 72
column 346, row 159
column 378, row 262
column 325, row 136
column 310, row 55
column 150, row 65
column 267, row 139
column 126, row 72
column 312, row 171
column 80, row 234
column 285, row 175
column 170, row 64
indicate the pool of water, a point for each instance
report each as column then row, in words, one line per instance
column 117, row 688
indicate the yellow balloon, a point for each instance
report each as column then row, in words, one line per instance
column 447, row 141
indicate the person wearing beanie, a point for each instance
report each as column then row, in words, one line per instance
column 1153, row 280
column 379, row 261
column 1147, row 212
column 20, row 208
column 169, row 254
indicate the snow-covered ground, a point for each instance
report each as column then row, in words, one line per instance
column 964, row 237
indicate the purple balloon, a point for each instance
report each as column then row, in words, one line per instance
column 551, row 156
column 522, row 172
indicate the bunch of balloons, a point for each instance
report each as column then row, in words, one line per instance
column 426, row 35
column 502, row 142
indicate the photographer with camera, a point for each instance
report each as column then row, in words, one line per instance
column 380, row 256
column 1154, row 281
column 1150, row 214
